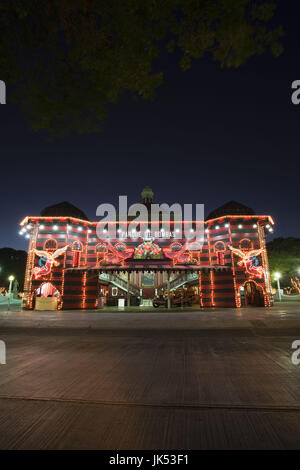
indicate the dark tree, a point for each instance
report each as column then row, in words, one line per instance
column 284, row 257
column 12, row 262
column 67, row 59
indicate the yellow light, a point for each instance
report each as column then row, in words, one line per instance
column 277, row 275
column 11, row 278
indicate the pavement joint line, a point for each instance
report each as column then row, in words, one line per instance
column 196, row 406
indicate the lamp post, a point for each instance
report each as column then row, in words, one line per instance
column 11, row 278
column 277, row 277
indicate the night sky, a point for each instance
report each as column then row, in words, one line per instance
column 209, row 136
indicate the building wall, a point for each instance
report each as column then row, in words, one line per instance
column 79, row 288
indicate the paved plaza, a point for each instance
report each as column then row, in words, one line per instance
column 214, row 379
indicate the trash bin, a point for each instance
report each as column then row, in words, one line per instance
column 100, row 302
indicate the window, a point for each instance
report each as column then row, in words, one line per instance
column 76, row 248
column 245, row 244
column 175, row 247
column 220, row 257
column 101, row 252
column 114, row 291
column 50, row 245
column 220, row 252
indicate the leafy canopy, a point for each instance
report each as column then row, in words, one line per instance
column 67, row 59
column 284, row 257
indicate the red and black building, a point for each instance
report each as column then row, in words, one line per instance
column 69, row 263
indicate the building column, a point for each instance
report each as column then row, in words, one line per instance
column 168, row 287
column 128, row 287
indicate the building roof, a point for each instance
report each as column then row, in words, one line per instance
column 230, row 208
column 63, row 209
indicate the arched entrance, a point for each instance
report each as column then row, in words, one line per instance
column 253, row 294
column 46, row 297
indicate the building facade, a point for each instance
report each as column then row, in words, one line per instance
column 70, row 267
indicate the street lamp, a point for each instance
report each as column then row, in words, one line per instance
column 277, row 276
column 11, row 278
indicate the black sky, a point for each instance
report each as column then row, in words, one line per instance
column 210, row 135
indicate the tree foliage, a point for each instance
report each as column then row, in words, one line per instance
column 67, row 59
column 12, row 262
column 284, row 257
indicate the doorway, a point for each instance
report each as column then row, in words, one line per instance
column 253, row 294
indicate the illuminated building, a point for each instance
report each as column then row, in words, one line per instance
column 69, row 263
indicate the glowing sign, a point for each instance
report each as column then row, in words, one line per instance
column 47, row 261
column 250, row 261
